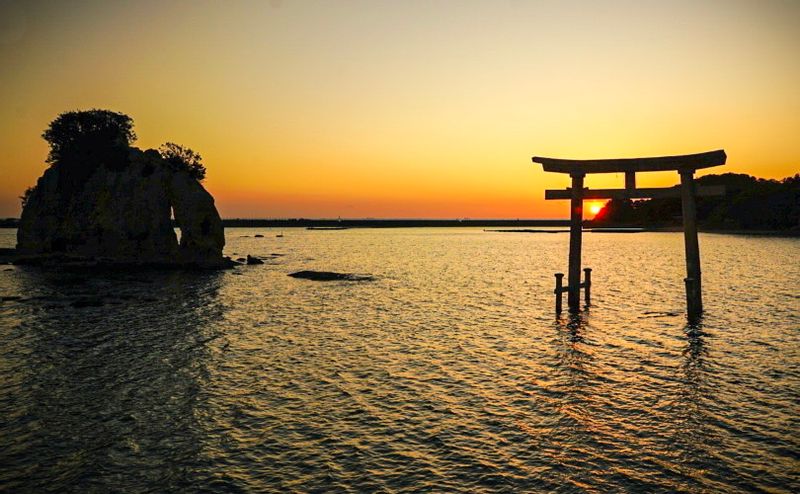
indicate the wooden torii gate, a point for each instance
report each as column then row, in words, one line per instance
column 685, row 165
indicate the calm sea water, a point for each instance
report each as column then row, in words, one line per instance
column 448, row 373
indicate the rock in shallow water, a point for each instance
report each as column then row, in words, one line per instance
column 202, row 234
column 123, row 215
column 330, row 276
column 87, row 302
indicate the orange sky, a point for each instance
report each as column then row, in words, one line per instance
column 407, row 109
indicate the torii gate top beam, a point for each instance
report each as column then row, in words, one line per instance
column 658, row 164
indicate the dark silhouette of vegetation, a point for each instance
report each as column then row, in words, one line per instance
column 749, row 203
column 27, row 195
column 96, row 136
column 183, row 159
column 82, row 141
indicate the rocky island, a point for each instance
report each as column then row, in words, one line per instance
column 104, row 201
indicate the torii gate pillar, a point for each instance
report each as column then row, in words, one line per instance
column 694, row 292
column 575, row 240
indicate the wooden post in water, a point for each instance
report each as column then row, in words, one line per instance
column 694, row 296
column 575, row 231
column 587, row 285
column 558, row 291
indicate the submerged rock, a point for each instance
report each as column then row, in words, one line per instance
column 7, row 256
column 87, row 302
column 330, row 276
column 122, row 215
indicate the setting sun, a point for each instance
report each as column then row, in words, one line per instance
column 594, row 207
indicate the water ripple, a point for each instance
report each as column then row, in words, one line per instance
column 448, row 373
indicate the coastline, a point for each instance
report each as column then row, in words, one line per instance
column 520, row 226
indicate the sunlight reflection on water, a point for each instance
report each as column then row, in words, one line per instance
column 447, row 373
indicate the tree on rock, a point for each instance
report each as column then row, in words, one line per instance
column 25, row 197
column 82, row 140
column 182, row 158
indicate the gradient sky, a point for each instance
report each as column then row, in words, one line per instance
column 407, row 108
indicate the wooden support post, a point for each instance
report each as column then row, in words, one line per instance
column 575, row 232
column 559, row 290
column 694, row 297
column 587, row 285
column 694, row 302
column 630, row 180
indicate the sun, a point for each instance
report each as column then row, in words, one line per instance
column 595, row 208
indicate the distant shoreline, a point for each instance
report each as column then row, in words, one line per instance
column 385, row 223
column 362, row 223
column 337, row 224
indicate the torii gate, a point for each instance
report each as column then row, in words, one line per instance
column 685, row 165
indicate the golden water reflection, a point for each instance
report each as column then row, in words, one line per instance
column 447, row 373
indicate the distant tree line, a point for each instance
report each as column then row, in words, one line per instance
column 749, row 203
column 82, row 141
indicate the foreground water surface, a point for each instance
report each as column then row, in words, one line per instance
column 447, row 373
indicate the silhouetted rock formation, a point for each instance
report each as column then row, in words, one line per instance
column 329, row 276
column 122, row 214
column 202, row 234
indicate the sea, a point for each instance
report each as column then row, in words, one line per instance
column 448, row 371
